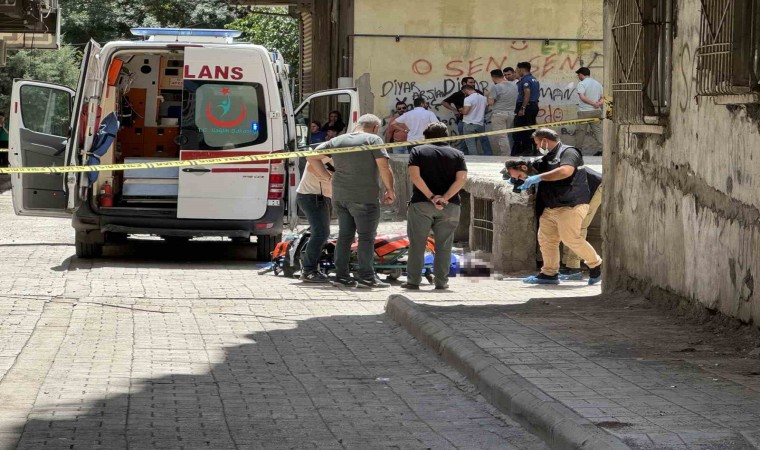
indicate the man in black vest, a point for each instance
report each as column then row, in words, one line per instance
column 517, row 170
column 564, row 192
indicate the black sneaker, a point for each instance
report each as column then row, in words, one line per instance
column 344, row 282
column 595, row 275
column 441, row 287
column 411, row 287
column 541, row 278
column 372, row 283
column 314, row 277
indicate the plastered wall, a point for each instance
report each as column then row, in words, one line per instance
column 387, row 70
column 681, row 212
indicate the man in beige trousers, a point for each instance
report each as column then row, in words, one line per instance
column 564, row 192
column 571, row 261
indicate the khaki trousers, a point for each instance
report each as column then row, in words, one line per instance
column 571, row 260
column 422, row 217
column 502, row 120
column 563, row 225
column 593, row 129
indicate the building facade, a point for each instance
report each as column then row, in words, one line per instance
column 397, row 54
column 682, row 197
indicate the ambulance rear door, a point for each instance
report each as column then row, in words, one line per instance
column 225, row 112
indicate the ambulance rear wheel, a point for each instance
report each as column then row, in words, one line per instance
column 176, row 239
column 86, row 249
column 265, row 246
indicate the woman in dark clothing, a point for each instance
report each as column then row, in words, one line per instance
column 334, row 120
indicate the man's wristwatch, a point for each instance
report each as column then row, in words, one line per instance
column 431, row 197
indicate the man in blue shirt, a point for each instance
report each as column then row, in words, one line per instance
column 529, row 90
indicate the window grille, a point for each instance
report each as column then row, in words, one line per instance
column 642, row 34
column 482, row 225
column 727, row 56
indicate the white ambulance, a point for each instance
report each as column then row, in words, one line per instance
column 178, row 94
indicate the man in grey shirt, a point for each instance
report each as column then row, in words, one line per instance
column 356, row 196
column 590, row 103
column 503, row 100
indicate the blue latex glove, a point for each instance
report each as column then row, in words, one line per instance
column 530, row 182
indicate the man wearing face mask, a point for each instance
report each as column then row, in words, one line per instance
column 564, row 191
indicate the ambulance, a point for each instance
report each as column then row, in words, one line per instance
column 172, row 94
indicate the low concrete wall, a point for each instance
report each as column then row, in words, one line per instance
column 514, row 224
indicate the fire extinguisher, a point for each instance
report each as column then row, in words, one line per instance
column 106, row 195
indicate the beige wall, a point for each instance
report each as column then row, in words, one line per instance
column 559, row 18
column 682, row 211
column 387, row 71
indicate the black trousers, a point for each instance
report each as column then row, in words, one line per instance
column 523, row 141
column 4, row 155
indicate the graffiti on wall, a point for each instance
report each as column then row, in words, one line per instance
column 435, row 77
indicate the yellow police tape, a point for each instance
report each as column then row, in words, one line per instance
column 272, row 156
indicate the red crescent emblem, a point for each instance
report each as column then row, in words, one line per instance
column 221, row 123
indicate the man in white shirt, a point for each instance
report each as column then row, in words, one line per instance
column 473, row 113
column 414, row 123
column 590, row 104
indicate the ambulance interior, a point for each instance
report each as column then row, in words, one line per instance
column 145, row 92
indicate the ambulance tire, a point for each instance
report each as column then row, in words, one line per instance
column 116, row 238
column 176, row 239
column 265, row 246
column 88, row 250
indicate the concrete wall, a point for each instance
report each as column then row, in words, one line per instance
column 681, row 216
column 514, row 244
column 387, row 70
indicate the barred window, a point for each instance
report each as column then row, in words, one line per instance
column 729, row 47
column 642, row 33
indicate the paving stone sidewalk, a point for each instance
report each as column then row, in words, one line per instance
column 645, row 375
column 187, row 347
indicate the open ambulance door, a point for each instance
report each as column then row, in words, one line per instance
column 39, row 131
column 44, row 132
column 86, row 114
column 320, row 103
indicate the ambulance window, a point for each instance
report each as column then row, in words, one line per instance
column 218, row 116
column 45, row 110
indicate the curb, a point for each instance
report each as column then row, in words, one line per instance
column 557, row 424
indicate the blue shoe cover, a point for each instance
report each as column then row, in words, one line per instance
column 535, row 280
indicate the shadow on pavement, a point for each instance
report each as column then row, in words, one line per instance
column 329, row 382
column 155, row 253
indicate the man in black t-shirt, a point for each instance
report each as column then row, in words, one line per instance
column 455, row 102
column 438, row 172
column 564, row 192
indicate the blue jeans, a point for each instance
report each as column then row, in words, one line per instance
column 353, row 218
column 317, row 210
column 471, row 143
column 461, row 145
